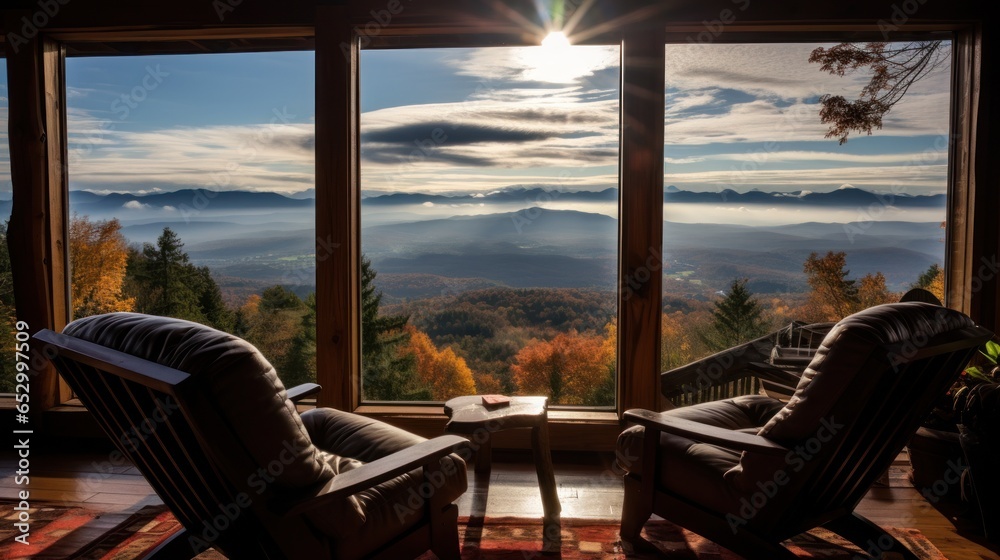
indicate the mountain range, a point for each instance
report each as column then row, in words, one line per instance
column 191, row 201
column 256, row 239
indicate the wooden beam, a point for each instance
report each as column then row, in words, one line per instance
column 37, row 231
column 982, row 277
column 961, row 177
column 153, row 33
column 338, row 328
column 641, row 223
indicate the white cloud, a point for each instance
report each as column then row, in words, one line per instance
column 541, row 64
column 223, row 157
column 906, row 179
column 135, row 205
column 820, row 159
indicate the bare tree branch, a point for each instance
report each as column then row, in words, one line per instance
column 894, row 67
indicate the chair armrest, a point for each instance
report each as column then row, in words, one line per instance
column 299, row 392
column 704, row 432
column 775, row 374
column 370, row 474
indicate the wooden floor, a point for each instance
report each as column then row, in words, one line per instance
column 588, row 489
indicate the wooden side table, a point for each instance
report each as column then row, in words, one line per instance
column 468, row 417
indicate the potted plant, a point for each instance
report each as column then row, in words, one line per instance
column 979, row 430
column 960, row 437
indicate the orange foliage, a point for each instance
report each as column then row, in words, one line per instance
column 443, row 371
column 936, row 286
column 98, row 255
column 676, row 345
column 566, row 368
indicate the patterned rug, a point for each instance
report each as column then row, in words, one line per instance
column 498, row 539
column 520, row 539
column 114, row 536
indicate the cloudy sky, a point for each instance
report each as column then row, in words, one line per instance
column 474, row 120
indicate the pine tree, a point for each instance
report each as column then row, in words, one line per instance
column 300, row 362
column 167, row 280
column 388, row 373
column 162, row 281
column 737, row 318
column 211, row 304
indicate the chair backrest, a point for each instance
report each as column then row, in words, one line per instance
column 203, row 416
column 871, row 383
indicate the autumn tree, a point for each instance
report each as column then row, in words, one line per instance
column 98, row 254
column 603, row 394
column 566, row 368
column 894, row 68
column 387, row 372
column 677, row 345
column 833, row 295
column 872, row 291
column 737, row 318
column 443, row 371
column 932, row 280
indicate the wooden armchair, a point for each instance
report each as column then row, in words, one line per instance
column 206, row 420
column 751, row 471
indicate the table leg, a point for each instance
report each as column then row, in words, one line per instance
column 484, row 456
column 552, row 535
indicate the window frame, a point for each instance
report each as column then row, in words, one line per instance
column 338, row 201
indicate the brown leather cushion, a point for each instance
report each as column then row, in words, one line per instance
column 696, row 470
column 249, row 395
column 350, row 440
column 252, row 400
column 847, row 346
column 831, row 384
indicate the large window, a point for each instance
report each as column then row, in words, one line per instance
column 8, row 317
column 191, row 194
column 772, row 215
column 489, row 212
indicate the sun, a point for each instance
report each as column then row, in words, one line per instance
column 555, row 40
column 558, row 61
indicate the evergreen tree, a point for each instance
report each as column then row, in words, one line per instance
column 387, row 373
column 300, row 362
column 167, row 280
column 163, row 281
column 211, row 304
column 737, row 318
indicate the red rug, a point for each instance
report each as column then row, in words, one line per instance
column 520, row 539
column 106, row 536
column 46, row 526
column 140, row 533
column 497, row 539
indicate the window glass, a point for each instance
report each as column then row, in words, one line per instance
column 489, row 222
column 769, row 218
column 8, row 316
column 191, row 194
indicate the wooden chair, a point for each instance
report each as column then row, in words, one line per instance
column 206, row 420
column 750, row 472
